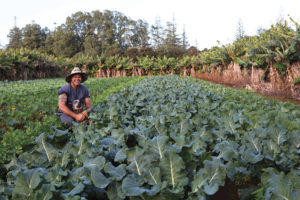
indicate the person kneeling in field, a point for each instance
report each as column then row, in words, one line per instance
column 73, row 97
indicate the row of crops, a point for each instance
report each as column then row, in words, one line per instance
column 28, row 108
column 166, row 137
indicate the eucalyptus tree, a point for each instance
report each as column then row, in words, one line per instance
column 91, row 45
column 106, row 29
column 80, row 24
column 65, row 43
column 33, row 36
column 15, row 38
column 141, row 34
column 122, row 29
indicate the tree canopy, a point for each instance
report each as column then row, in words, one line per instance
column 99, row 33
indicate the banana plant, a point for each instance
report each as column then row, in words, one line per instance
column 162, row 64
column 148, row 64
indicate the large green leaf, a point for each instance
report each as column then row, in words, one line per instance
column 158, row 145
column 141, row 162
column 28, row 181
column 210, row 177
column 131, row 187
column 57, row 176
column 120, row 156
column 226, row 150
column 46, row 147
column 99, row 180
column 281, row 186
column 114, row 191
column 77, row 189
column 116, row 173
column 173, row 167
column 97, row 162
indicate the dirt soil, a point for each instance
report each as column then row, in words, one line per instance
column 280, row 96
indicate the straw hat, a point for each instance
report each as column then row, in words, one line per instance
column 75, row 71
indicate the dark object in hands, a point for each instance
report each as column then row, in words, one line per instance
column 77, row 106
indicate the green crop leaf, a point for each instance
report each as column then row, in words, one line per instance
column 130, row 187
column 173, row 167
column 56, row 175
column 278, row 134
column 65, row 158
column 158, row 145
column 46, row 192
column 77, row 190
column 226, row 150
column 27, row 181
column 154, row 176
column 116, row 173
column 140, row 161
column 46, row 147
column 98, row 162
column 99, row 180
column 114, row 191
column 120, row 156
column 15, row 164
column 281, row 186
column 76, row 197
column 250, row 155
column 210, row 177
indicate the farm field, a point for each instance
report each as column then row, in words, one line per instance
column 28, row 108
column 162, row 137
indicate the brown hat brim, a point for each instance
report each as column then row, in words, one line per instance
column 83, row 77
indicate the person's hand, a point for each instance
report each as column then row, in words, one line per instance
column 79, row 117
column 85, row 113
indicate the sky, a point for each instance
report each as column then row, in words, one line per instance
column 205, row 21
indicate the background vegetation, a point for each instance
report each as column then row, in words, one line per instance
column 110, row 41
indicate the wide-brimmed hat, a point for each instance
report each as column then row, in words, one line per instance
column 75, row 71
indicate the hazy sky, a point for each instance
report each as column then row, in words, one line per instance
column 205, row 21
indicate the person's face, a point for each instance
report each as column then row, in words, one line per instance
column 76, row 80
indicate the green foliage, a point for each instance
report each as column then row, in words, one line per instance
column 16, row 64
column 164, row 137
column 21, row 120
column 78, row 44
column 148, row 64
column 281, row 67
column 33, row 36
column 296, row 80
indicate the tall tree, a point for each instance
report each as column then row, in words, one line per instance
column 107, row 32
column 157, row 34
column 15, row 38
column 172, row 43
column 185, row 43
column 80, row 24
column 65, row 43
column 92, row 45
column 33, row 36
column 240, row 31
column 49, row 42
column 122, row 29
column 140, row 34
column 172, row 39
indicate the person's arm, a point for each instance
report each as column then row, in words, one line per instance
column 62, row 99
column 88, row 106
